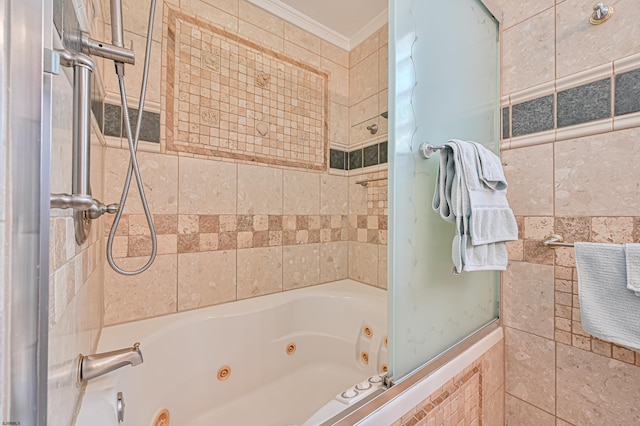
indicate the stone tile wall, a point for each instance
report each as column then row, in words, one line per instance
column 577, row 176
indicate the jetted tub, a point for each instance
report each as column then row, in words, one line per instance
column 271, row 360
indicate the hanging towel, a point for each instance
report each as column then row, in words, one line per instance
column 471, row 191
column 608, row 309
column 632, row 254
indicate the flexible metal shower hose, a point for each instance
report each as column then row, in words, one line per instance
column 133, row 162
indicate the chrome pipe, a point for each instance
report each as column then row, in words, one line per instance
column 81, row 166
column 67, row 201
column 92, row 366
column 117, row 29
column 108, row 51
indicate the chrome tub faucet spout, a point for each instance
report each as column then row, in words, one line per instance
column 92, row 366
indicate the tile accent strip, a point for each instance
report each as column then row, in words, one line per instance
column 114, row 123
column 371, row 155
column 577, row 105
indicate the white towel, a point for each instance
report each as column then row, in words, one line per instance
column 632, row 254
column 471, row 191
column 608, row 309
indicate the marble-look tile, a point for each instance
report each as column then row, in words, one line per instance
column 529, row 172
column 589, row 183
column 259, row 271
column 159, row 175
column 382, row 266
column 300, row 266
column 593, row 389
column 493, row 370
column 333, row 261
column 537, row 228
column 363, row 79
column 493, row 409
column 355, row 159
column 528, row 292
column 581, row 45
column 533, row 116
column 627, row 96
column 616, row 230
column 528, row 53
column 259, row 190
column 530, row 368
column 112, row 120
column 334, row 194
column 149, row 127
column 519, row 413
column 335, row 54
column 584, row 103
column 370, row 154
column 516, row 11
column 560, row 422
column 339, row 124
column 127, row 298
column 206, row 186
column 301, row 193
column 363, row 262
column 206, row 279
column 357, row 196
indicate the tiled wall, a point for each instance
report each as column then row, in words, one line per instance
column 473, row 397
column 572, row 165
column 76, row 273
column 229, row 228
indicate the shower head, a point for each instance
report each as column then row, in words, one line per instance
column 117, row 36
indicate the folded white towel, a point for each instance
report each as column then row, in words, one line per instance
column 632, row 254
column 471, row 191
column 608, row 309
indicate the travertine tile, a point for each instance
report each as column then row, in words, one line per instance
column 616, row 230
column 302, row 38
column 339, row 81
column 301, row 266
column 516, row 11
column 519, row 413
column 382, row 266
column 364, row 49
column 493, row 408
column 581, row 45
column 333, row 261
column 207, row 186
column 301, row 54
column 127, row 297
column 363, row 79
column 226, row 17
column 529, row 172
column 590, row 184
column 258, row 35
column 259, row 190
column 530, row 368
column 260, row 271
column 596, row 390
column 357, row 196
column 363, row 262
column 528, row 53
column 538, row 228
column 261, row 18
column 335, row 54
column 493, row 370
column 339, row 123
column 334, row 194
column 301, row 193
column 206, row 279
column 159, row 175
column 528, row 292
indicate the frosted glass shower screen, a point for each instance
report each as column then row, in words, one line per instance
column 444, row 81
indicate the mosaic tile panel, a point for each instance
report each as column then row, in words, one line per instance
column 230, row 98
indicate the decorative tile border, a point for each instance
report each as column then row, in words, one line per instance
column 181, row 233
column 371, row 155
column 114, row 123
column 577, row 104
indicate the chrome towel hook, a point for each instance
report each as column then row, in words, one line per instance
column 601, row 13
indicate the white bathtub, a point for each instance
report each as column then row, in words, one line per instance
column 184, row 352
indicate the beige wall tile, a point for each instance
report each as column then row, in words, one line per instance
column 383, row 72
column 260, row 36
column 528, row 53
column 339, row 124
column 516, row 11
column 589, row 183
column 528, row 298
column 617, row 230
column 334, row 194
column 530, row 368
column 537, row 228
column 301, row 54
column 204, row 11
column 493, row 408
column 259, row 271
column 335, row 54
column 363, row 79
column 159, row 175
column 364, row 49
column 519, row 413
column 493, row 370
column 206, row 279
column 593, row 389
column 207, row 186
column 300, row 266
column 302, row 38
column 338, row 81
column 261, row 18
column 529, row 172
column 581, row 45
column 333, row 261
column 363, row 262
column 229, row 6
column 127, row 298
column 382, row 266
column 136, row 18
column 357, row 196
column 259, row 190
column 301, row 193
column 364, row 110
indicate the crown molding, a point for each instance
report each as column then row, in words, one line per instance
column 368, row 30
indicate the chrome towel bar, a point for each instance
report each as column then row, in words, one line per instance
column 554, row 241
column 427, row 150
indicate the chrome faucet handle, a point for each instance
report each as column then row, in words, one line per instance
column 601, row 13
